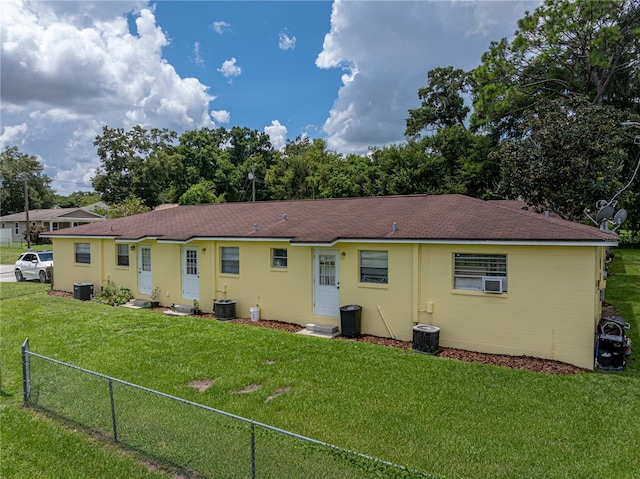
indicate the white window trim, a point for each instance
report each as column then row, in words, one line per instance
column 227, row 263
column 118, row 255
column 471, row 271
column 280, row 257
column 374, row 278
column 87, row 253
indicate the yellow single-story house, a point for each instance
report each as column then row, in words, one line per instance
column 493, row 278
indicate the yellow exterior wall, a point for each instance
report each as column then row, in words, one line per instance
column 392, row 302
column 67, row 272
column 281, row 294
column 550, row 311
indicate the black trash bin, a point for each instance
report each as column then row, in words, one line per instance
column 350, row 320
column 426, row 338
column 82, row 291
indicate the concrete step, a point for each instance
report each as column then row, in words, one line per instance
column 137, row 304
column 320, row 330
column 179, row 308
column 170, row 312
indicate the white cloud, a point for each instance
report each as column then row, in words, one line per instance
column 285, row 42
column 71, row 67
column 13, row 135
column 221, row 116
column 229, row 69
column 277, row 134
column 386, row 50
column 220, row 27
column 197, row 58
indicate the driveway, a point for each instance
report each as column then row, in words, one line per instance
column 6, row 273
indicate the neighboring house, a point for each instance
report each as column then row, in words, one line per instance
column 51, row 219
column 494, row 278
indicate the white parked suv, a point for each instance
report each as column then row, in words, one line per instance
column 34, row 265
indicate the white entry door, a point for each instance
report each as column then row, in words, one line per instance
column 145, row 281
column 190, row 273
column 326, row 283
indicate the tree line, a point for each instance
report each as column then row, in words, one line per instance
column 549, row 116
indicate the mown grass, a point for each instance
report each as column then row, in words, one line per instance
column 14, row 290
column 9, row 252
column 623, row 291
column 452, row 419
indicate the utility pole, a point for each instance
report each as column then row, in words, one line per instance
column 253, row 182
column 26, row 210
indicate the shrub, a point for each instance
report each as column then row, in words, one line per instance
column 114, row 295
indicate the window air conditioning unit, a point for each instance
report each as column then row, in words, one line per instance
column 493, row 284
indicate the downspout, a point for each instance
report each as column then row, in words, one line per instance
column 417, row 283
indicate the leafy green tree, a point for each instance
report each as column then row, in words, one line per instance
column 470, row 169
column 409, row 169
column 14, row 168
column 439, row 127
column 34, row 235
column 569, row 158
column 224, row 157
column 297, row 173
column 442, row 102
column 244, row 143
column 202, row 157
column 136, row 162
column 200, row 193
column 567, row 49
column 249, row 151
column 77, row 199
column 349, row 177
column 249, row 177
column 129, row 207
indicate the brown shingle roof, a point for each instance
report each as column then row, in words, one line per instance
column 67, row 214
column 418, row 217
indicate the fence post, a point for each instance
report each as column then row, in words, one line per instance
column 113, row 411
column 26, row 371
column 253, row 450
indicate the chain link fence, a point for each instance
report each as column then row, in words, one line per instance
column 195, row 440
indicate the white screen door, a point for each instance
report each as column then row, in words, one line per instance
column 145, row 281
column 326, row 283
column 190, row 273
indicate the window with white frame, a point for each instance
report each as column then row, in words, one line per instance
column 83, row 253
column 55, row 226
column 230, row 260
column 123, row 254
column 278, row 257
column 16, row 228
column 374, row 267
column 480, row 272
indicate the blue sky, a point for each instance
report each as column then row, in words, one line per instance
column 346, row 71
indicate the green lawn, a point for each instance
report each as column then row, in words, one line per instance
column 445, row 417
column 10, row 252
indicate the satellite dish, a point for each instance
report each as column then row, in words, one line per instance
column 620, row 217
column 604, row 214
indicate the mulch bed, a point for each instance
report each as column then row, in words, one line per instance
column 527, row 363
